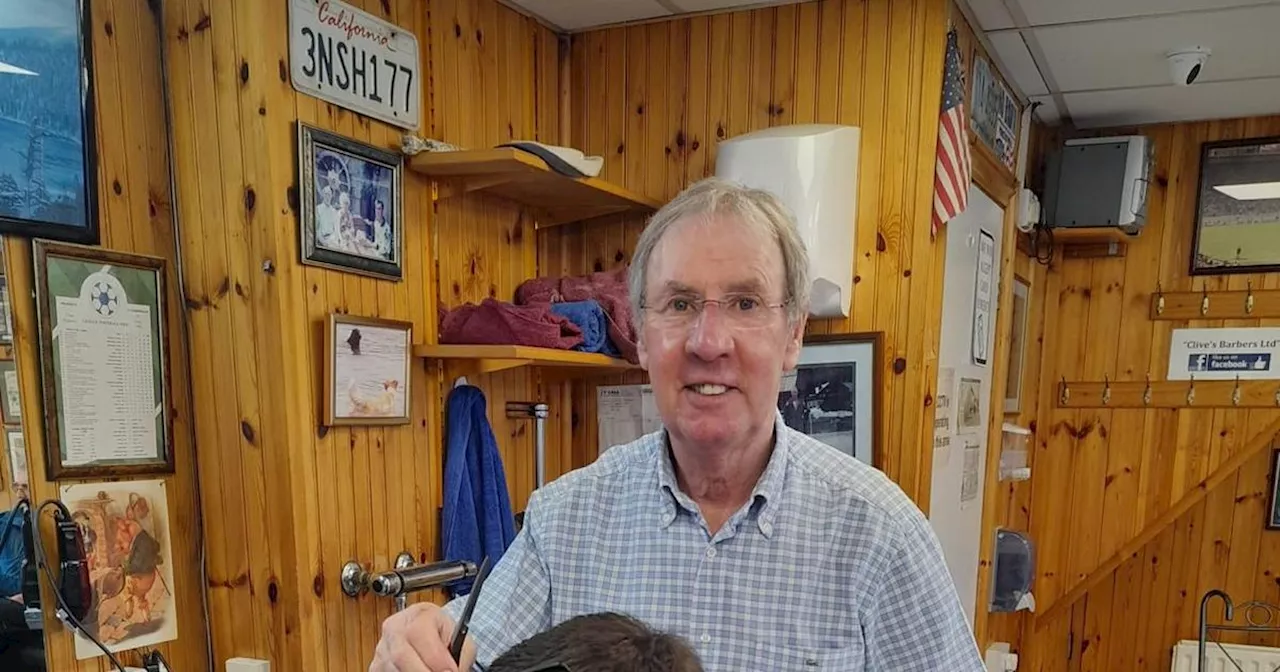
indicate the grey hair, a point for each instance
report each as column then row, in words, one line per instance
column 757, row 209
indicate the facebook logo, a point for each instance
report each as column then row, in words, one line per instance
column 1251, row 361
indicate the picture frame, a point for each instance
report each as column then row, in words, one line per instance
column 1273, row 507
column 337, row 175
column 105, row 375
column 10, row 393
column 6, row 313
column 16, row 445
column 368, row 366
column 1236, row 204
column 833, row 394
column 48, row 145
column 1021, row 309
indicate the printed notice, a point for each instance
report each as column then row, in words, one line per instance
column 943, row 415
column 624, row 413
column 970, row 478
column 982, row 296
column 1224, row 354
column 108, row 400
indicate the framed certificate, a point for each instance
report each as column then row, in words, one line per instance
column 104, row 359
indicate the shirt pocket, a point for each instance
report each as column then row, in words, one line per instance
column 772, row 657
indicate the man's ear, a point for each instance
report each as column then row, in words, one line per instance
column 795, row 341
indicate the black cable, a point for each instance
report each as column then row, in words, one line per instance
column 43, row 561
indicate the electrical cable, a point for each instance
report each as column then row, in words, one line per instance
column 64, row 612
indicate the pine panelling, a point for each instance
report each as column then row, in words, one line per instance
column 256, row 316
column 135, row 215
column 1134, row 466
column 869, row 64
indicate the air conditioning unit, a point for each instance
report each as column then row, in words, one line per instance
column 1098, row 183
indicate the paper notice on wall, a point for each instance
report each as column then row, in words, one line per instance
column 971, row 477
column 624, row 413
column 943, row 416
column 1225, row 354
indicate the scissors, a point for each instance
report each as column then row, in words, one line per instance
column 460, row 634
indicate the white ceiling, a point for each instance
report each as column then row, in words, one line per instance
column 571, row 15
column 1102, row 62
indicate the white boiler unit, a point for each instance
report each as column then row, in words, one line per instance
column 814, row 170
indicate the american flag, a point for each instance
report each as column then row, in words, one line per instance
column 951, row 175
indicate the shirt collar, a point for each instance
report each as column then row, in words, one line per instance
column 765, row 497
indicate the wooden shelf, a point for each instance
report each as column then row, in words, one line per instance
column 492, row 358
column 1088, row 236
column 520, row 176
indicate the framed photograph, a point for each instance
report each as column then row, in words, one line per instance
column 833, row 394
column 6, row 321
column 1273, row 510
column 969, row 406
column 1238, row 208
column 104, row 360
column 17, row 458
column 366, row 377
column 48, row 171
column 10, row 393
column 350, row 203
column 133, row 596
column 1017, row 346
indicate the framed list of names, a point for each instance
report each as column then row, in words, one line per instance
column 104, row 358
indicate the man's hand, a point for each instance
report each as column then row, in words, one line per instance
column 417, row 640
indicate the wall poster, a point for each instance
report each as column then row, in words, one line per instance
column 983, row 296
column 104, row 360
column 127, row 545
column 994, row 115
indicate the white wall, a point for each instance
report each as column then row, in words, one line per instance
column 959, row 527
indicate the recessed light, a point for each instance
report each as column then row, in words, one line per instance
column 1255, row 191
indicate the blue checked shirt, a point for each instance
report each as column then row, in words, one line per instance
column 829, row 566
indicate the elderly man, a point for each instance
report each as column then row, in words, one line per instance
column 765, row 549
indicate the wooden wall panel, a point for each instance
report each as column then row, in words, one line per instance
column 1104, row 478
column 657, row 117
column 135, row 215
column 255, row 314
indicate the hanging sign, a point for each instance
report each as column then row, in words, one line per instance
column 982, row 297
column 1225, row 354
column 354, row 59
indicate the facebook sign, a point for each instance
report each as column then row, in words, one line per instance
column 1252, row 362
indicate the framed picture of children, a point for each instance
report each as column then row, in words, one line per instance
column 350, row 199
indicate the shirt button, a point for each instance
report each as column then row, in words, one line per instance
column 706, row 639
column 766, row 528
column 711, row 552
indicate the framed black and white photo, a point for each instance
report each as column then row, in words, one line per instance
column 1238, row 208
column 350, row 195
column 48, row 174
column 832, row 395
column 1273, row 508
column 10, row 394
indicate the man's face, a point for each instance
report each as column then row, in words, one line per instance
column 715, row 377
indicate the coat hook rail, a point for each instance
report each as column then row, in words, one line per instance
column 1248, row 304
column 1169, row 394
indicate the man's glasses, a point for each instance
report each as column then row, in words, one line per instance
column 739, row 311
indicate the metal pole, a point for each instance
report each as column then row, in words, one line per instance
column 541, row 412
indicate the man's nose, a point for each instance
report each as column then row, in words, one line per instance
column 710, row 336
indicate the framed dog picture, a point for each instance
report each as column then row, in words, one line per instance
column 367, row 370
column 350, row 201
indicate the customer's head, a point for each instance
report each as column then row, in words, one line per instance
column 605, row 642
column 716, row 367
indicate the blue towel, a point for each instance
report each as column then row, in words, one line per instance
column 591, row 319
column 476, row 520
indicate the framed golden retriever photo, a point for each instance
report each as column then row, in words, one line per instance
column 366, row 370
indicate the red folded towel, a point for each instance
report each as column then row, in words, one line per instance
column 494, row 322
column 608, row 288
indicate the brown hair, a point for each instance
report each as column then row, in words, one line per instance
column 605, row 642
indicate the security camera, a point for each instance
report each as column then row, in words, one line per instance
column 1185, row 64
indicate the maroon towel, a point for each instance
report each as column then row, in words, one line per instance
column 608, row 288
column 497, row 323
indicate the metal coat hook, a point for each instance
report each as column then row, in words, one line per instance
column 1106, row 390
column 1248, row 300
column 1159, row 299
column 1146, row 392
column 461, row 380
column 1191, row 392
column 1235, row 393
column 1064, row 397
column 1204, row 298
column 1278, row 396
